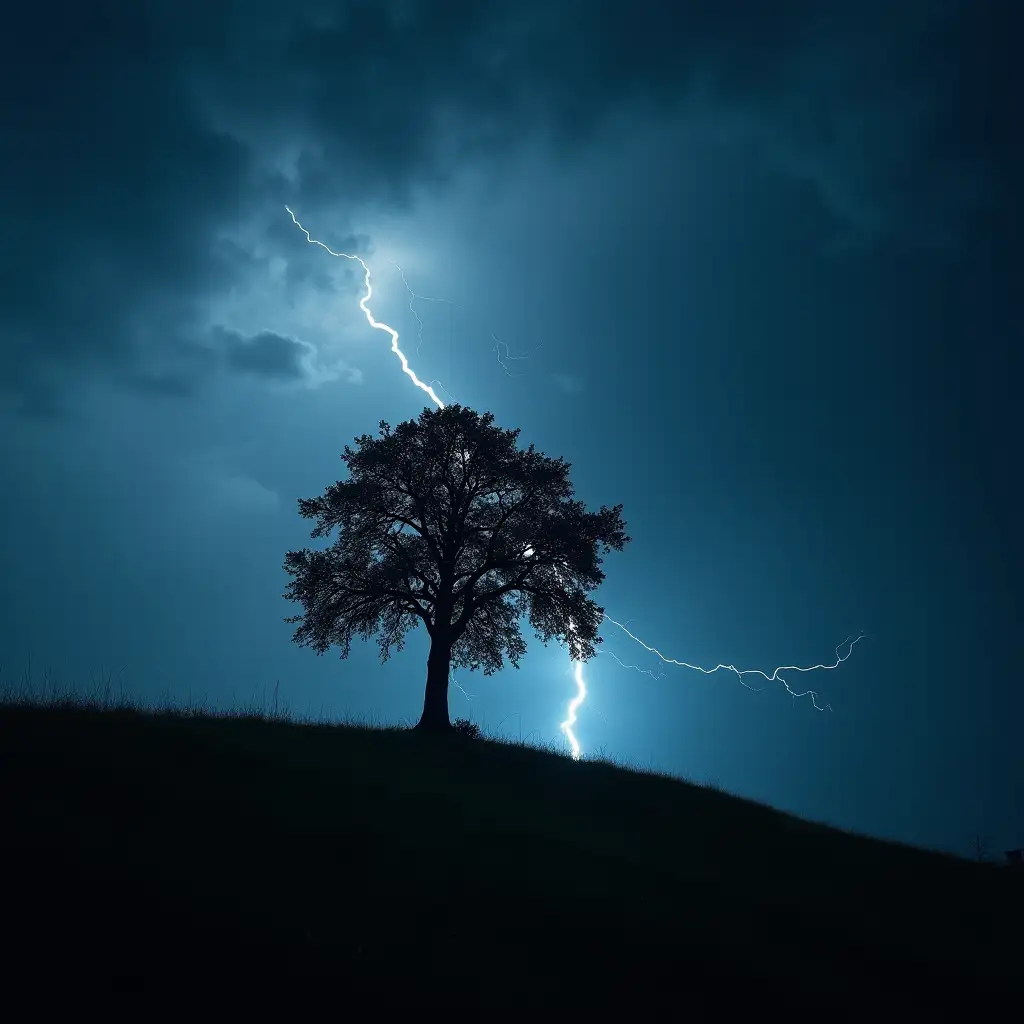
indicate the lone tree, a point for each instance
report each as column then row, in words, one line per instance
column 444, row 520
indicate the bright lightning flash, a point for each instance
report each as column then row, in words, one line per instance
column 406, row 369
column 581, row 686
column 581, row 691
column 574, row 706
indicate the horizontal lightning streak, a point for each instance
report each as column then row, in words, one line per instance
column 740, row 673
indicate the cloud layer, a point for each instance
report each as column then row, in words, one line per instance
column 150, row 147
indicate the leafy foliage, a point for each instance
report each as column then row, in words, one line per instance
column 445, row 521
column 466, row 727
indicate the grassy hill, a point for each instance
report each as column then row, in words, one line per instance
column 412, row 870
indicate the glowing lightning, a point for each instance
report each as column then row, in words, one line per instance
column 574, row 705
column 369, row 316
column 581, row 687
column 741, row 672
column 581, row 690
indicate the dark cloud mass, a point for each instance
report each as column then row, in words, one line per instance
column 137, row 135
column 264, row 354
column 754, row 267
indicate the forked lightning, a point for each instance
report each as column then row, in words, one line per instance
column 581, row 686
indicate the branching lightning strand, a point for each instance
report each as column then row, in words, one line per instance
column 581, row 688
column 499, row 345
column 740, row 673
column 503, row 361
column 636, row 668
column 413, row 296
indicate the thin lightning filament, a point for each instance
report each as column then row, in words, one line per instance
column 774, row 676
column 581, row 687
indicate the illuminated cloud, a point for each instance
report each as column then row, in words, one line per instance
column 147, row 176
column 265, row 354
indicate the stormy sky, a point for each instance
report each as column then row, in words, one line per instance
column 751, row 268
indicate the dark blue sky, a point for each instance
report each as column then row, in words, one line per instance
column 761, row 259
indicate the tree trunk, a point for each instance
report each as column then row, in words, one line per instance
column 435, row 699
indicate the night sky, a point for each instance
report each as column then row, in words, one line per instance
column 754, row 265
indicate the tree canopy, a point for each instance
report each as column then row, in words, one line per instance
column 446, row 521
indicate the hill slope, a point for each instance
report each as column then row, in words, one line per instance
column 434, row 871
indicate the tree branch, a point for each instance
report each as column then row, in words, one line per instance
column 399, row 550
column 474, row 577
column 425, row 533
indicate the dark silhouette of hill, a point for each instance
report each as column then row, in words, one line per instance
column 149, row 852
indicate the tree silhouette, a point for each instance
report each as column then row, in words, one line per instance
column 445, row 520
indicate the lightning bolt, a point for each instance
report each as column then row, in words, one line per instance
column 775, row 675
column 574, row 705
column 376, row 325
column 581, row 689
column 581, row 686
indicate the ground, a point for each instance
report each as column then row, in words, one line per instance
column 420, row 871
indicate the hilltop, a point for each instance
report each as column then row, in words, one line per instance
column 446, row 871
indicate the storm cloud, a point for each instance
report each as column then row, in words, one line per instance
column 150, row 148
column 755, row 272
column 265, row 354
